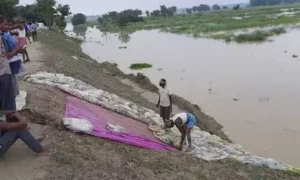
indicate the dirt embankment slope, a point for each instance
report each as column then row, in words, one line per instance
column 85, row 157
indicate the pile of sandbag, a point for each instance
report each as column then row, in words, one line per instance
column 205, row 145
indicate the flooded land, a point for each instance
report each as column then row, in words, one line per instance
column 251, row 89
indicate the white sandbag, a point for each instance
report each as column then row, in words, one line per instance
column 78, row 125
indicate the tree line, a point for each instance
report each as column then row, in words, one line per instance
column 271, row 2
column 121, row 18
column 205, row 8
column 45, row 11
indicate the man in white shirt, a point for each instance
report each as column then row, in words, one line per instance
column 164, row 101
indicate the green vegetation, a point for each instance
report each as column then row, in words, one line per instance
column 138, row 66
column 45, row 11
column 211, row 23
column 78, row 19
column 259, row 35
column 296, row 170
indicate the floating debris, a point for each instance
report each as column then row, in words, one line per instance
column 235, row 99
column 209, row 89
column 160, row 69
column 285, row 51
column 295, row 56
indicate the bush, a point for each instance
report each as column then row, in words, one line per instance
column 78, row 19
column 60, row 23
column 280, row 30
column 259, row 35
column 252, row 37
column 140, row 66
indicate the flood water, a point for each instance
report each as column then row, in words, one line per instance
column 262, row 78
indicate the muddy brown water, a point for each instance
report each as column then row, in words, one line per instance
column 253, row 90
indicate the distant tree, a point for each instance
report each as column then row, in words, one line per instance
column 225, row 7
column 148, row 13
column 188, row 10
column 204, row 7
column 195, row 8
column 274, row 2
column 46, row 11
column 7, row 8
column 237, row 7
column 290, row 1
column 216, row 7
column 164, row 11
column 64, row 10
column 155, row 13
column 126, row 16
column 172, row 10
column 268, row 2
column 113, row 15
column 137, row 12
column 78, row 19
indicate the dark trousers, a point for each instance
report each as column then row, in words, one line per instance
column 34, row 35
column 8, row 138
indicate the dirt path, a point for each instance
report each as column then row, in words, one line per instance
column 20, row 162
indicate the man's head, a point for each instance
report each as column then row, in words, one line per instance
column 3, row 23
column 162, row 83
column 169, row 123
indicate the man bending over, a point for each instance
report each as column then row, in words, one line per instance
column 185, row 123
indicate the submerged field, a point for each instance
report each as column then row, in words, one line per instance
column 219, row 24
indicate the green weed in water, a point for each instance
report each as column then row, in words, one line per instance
column 137, row 66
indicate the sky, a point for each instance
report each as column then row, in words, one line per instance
column 98, row 7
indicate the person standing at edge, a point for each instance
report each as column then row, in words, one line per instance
column 164, row 101
column 12, row 125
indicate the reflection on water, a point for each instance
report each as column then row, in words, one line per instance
column 80, row 31
column 253, row 90
column 124, row 37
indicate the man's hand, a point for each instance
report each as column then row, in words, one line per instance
column 21, row 119
column 20, row 50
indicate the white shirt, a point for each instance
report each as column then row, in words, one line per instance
column 182, row 116
column 164, row 97
column 22, row 33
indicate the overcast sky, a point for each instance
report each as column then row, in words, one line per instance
column 97, row 7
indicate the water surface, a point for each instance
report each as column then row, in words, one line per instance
column 262, row 78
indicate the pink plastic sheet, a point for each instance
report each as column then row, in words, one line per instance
column 135, row 132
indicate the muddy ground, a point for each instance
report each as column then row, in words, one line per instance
column 84, row 157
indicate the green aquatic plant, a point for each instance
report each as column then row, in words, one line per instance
column 137, row 66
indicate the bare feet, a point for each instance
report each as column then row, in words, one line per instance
column 41, row 139
column 44, row 152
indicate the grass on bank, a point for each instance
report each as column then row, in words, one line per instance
column 137, row 66
column 200, row 24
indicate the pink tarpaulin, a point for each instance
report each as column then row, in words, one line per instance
column 134, row 133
